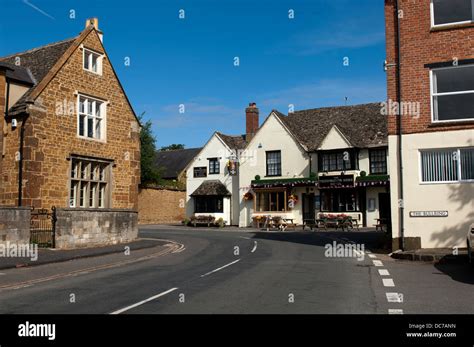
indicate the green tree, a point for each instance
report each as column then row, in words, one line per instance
column 150, row 174
column 172, row 147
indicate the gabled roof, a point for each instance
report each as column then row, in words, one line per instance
column 362, row 125
column 233, row 141
column 211, row 188
column 39, row 60
column 44, row 63
column 173, row 162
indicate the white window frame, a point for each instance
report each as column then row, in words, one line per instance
column 433, row 25
column 91, row 53
column 433, row 94
column 103, row 117
column 458, row 166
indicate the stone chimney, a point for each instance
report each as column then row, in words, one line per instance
column 95, row 23
column 251, row 120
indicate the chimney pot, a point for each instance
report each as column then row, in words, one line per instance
column 92, row 21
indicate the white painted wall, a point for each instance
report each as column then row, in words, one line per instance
column 271, row 136
column 456, row 198
column 214, row 148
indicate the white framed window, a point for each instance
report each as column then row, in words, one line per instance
column 89, row 183
column 449, row 12
column 92, row 61
column 91, row 118
column 447, row 165
column 452, row 93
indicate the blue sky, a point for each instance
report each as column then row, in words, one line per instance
column 191, row 61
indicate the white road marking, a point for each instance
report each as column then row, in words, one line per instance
column 222, row 267
column 388, row 282
column 143, row 301
column 394, row 297
column 368, row 252
column 384, row 272
column 254, row 247
column 395, row 311
column 372, row 256
column 244, row 237
column 377, row 262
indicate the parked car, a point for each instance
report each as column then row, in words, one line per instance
column 470, row 243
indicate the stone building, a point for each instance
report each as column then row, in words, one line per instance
column 70, row 139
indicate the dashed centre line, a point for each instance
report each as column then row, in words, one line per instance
column 384, row 272
column 220, row 268
column 377, row 262
column 395, row 311
column 388, row 282
column 144, row 301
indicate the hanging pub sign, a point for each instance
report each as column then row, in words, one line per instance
column 341, row 181
column 232, row 167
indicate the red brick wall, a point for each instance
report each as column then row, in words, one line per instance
column 50, row 138
column 419, row 46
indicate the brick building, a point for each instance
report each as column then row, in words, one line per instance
column 430, row 79
column 70, row 139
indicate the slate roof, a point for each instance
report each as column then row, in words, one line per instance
column 36, row 63
column 233, row 141
column 363, row 125
column 211, row 188
column 173, row 162
column 18, row 73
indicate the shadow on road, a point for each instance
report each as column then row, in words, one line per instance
column 460, row 271
column 375, row 241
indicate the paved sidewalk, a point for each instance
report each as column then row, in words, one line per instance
column 47, row 256
column 433, row 255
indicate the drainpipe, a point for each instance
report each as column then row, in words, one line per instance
column 20, row 164
column 399, row 129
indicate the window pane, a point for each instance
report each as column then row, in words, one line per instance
column 451, row 11
column 82, row 123
column 92, row 193
column 90, row 127
column 454, row 79
column 439, row 166
column 454, row 107
column 72, row 194
column 97, row 129
column 90, row 107
column 94, row 62
column 86, row 60
column 82, row 107
column 467, row 164
column 82, row 194
column 102, row 195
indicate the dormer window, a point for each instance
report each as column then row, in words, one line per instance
column 92, row 61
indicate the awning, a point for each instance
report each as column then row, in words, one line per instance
column 285, row 182
column 373, row 181
column 211, row 188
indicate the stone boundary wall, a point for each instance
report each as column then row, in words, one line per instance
column 15, row 225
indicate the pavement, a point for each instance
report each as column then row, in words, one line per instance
column 215, row 271
column 438, row 255
column 49, row 255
